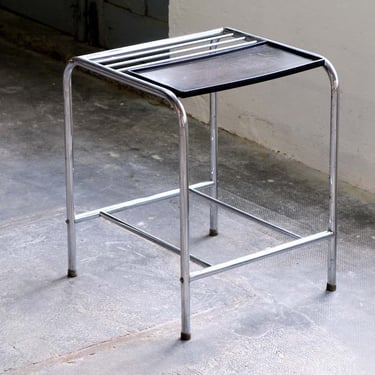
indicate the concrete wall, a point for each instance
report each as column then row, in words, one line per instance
column 124, row 22
column 105, row 23
column 61, row 14
column 291, row 114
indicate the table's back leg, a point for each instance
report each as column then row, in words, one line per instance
column 214, row 164
column 72, row 268
column 332, row 254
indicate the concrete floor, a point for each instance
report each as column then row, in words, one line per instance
column 121, row 314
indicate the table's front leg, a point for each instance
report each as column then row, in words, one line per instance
column 70, row 218
column 184, row 221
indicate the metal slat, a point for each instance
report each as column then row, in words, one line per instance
column 175, row 52
column 158, row 43
column 192, row 55
column 149, row 51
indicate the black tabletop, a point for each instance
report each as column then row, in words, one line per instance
column 220, row 71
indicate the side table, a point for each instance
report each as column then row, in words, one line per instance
column 181, row 67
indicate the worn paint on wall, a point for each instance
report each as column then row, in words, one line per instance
column 291, row 114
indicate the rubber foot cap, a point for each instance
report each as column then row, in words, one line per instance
column 213, row 232
column 72, row 273
column 331, row 287
column 185, row 336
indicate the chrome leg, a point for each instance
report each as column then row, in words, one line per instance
column 184, row 224
column 213, row 159
column 332, row 253
column 72, row 267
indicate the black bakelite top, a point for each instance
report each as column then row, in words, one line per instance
column 220, row 71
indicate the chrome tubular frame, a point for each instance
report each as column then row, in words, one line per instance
column 114, row 65
column 214, row 165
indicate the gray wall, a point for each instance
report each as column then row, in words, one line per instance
column 133, row 21
column 108, row 23
column 63, row 15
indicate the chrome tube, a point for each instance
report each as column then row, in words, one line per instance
column 137, row 202
column 67, row 86
column 190, row 55
column 169, row 42
column 245, row 214
column 184, row 220
column 126, row 79
column 213, row 166
column 176, row 104
column 150, row 237
column 332, row 224
column 182, row 52
column 108, row 60
column 234, row 263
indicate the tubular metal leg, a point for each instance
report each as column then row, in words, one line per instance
column 72, row 267
column 332, row 253
column 213, row 160
column 184, row 225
